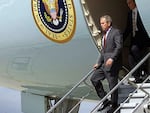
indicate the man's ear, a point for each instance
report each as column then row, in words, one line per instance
column 109, row 23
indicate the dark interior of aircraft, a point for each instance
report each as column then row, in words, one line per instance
column 117, row 9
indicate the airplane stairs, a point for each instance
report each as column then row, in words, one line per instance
column 133, row 100
column 133, row 97
column 138, row 100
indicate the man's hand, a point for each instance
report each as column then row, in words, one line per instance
column 95, row 66
column 109, row 62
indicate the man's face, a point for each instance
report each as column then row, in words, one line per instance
column 131, row 4
column 104, row 24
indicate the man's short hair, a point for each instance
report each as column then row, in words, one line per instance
column 108, row 18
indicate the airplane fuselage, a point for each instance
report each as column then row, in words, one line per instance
column 32, row 56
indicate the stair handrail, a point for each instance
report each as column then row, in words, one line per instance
column 125, row 78
column 138, row 105
column 70, row 91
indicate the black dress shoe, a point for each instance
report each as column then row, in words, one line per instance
column 104, row 105
column 112, row 109
column 138, row 80
column 144, row 76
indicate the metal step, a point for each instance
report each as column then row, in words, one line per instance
column 145, row 85
column 124, row 91
column 128, row 107
column 137, row 97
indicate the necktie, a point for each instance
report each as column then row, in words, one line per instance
column 134, row 23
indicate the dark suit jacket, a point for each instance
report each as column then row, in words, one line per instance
column 141, row 38
column 112, row 50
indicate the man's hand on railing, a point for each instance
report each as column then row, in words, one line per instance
column 96, row 66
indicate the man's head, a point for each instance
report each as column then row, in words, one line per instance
column 131, row 4
column 105, row 22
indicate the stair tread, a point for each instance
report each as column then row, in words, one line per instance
column 145, row 85
column 142, row 94
column 129, row 105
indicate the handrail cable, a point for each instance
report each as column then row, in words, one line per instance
column 70, row 91
column 81, row 100
column 125, row 78
column 140, row 87
column 138, row 105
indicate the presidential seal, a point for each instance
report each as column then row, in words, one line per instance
column 56, row 19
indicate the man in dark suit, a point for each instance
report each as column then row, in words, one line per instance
column 138, row 37
column 109, row 63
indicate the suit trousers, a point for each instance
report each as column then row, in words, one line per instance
column 134, row 58
column 112, row 78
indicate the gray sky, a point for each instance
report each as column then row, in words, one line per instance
column 10, row 102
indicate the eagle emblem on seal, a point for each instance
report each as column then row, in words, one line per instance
column 52, row 9
column 56, row 19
